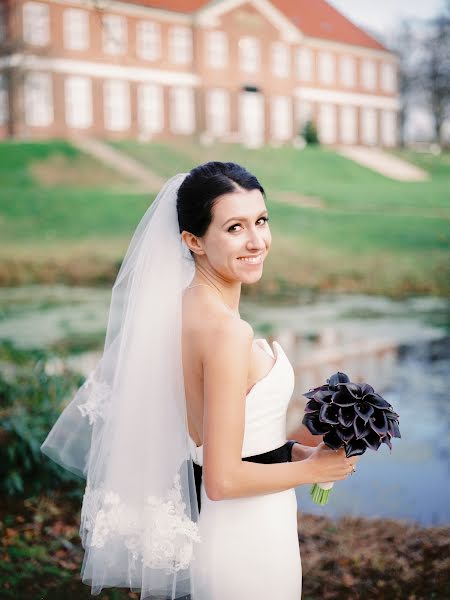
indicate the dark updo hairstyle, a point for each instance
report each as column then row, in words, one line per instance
column 202, row 186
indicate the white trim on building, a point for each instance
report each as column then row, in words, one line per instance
column 218, row 111
column 150, row 109
column 281, row 118
column 180, row 45
column 116, row 105
column 249, row 54
column 348, row 124
column 114, row 34
column 182, row 110
column 148, row 40
column 38, row 99
column 327, row 129
column 4, row 103
column 280, row 59
column 78, row 101
column 76, row 29
column 216, row 49
column 36, row 23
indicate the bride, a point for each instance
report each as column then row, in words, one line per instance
column 180, row 430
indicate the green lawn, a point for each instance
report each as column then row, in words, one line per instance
column 63, row 216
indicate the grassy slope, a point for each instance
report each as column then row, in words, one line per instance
column 372, row 234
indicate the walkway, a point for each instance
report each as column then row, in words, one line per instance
column 120, row 161
column 384, row 163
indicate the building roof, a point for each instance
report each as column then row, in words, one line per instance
column 314, row 18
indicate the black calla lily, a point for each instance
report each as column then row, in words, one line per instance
column 350, row 414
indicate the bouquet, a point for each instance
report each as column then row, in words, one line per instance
column 349, row 415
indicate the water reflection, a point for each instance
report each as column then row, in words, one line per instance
column 401, row 347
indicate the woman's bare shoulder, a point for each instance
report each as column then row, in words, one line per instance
column 212, row 322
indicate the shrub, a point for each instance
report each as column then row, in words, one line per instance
column 309, row 133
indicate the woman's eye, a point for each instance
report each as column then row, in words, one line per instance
column 265, row 219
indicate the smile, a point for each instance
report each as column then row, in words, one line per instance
column 252, row 259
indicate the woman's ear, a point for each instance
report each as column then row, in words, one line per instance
column 192, row 242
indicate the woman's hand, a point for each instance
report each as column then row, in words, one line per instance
column 300, row 452
column 330, row 465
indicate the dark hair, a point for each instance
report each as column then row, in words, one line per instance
column 202, row 186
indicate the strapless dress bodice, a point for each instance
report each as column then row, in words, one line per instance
column 265, row 408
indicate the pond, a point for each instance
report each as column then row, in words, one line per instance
column 401, row 347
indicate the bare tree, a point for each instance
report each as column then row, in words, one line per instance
column 435, row 70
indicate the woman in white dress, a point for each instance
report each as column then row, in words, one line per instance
column 180, row 429
column 237, row 394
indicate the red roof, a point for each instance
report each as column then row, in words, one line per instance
column 314, row 18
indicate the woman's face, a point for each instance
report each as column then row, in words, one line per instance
column 239, row 229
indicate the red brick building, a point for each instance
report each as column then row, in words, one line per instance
column 237, row 70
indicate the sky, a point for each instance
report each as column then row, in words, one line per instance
column 380, row 15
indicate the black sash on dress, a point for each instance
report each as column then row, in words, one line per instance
column 281, row 454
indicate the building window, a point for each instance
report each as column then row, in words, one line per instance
column 180, row 45
column 148, row 40
column 368, row 74
column 304, row 113
column 218, row 111
column 182, row 114
column 348, row 125
column 4, row 107
column 249, row 55
column 2, row 23
column 38, row 96
column 347, row 71
column 78, row 96
column 280, row 59
column 36, row 23
column 114, row 33
column 76, row 29
column 304, row 64
column 369, row 133
column 281, row 118
column 150, row 108
column 116, row 98
column 326, row 68
column 388, row 82
column 216, row 49
column 389, row 128
column 327, row 123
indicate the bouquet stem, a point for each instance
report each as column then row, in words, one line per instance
column 320, row 492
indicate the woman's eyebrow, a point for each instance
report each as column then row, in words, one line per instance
column 243, row 218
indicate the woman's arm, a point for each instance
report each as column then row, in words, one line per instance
column 226, row 362
column 305, row 437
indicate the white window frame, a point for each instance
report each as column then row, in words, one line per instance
column 348, row 124
column 2, row 22
column 38, row 99
column 304, row 113
column 78, row 101
column 182, row 110
column 76, row 29
column 114, row 34
column 116, row 105
column 388, row 77
column 150, row 108
column 327, row 123
column 249, row 54
column 148, row 40
column 218, row 111
column 327, row 67
column 347, row 71
column 36, row 23
column 216, row 48
column 369, row 126
column 281, row 118
column 4, row 102
column 304, row 63
column 180, row 45
column 389, row 128
column 280, row 59
column 368, row 74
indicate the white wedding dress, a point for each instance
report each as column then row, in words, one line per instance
column 249, row 548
